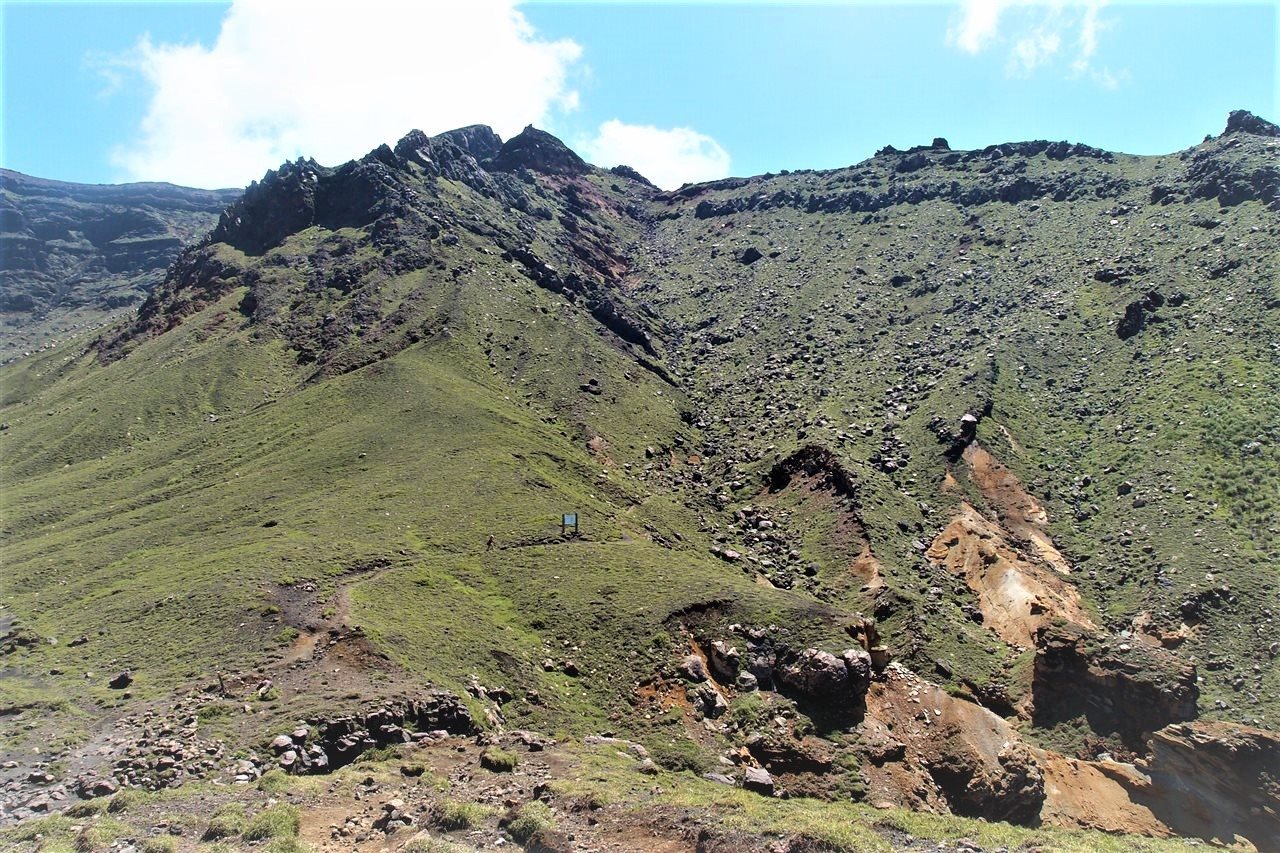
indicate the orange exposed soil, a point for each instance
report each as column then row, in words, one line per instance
column 1015, row 594
column 1095, row 795
column 1018, row 511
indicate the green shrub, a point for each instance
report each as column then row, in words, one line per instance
column 100, row 835
column 498, row 760
column 532, row 817
column 87, row 808
column 279, row 821
column 159, row 844
column 274, row 781
column 129, row 798
column 748, row 712
column 52, row 826
column 214, row 711
column 378, row 753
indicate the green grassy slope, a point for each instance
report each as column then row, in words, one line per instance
column 165, row 503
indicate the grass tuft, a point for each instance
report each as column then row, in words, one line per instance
column 279, row 821
column 453, row 815
column 530, row 818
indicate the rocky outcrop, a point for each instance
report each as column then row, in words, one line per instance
column 1243, row 121
column 303, row 193
column 1010, row 789
column 1227, row 169
column 339, row 741
column 1138, row 314
column 327, row 302
column 1217, row 781
column 538, row 151
column 817, row 676
column 456, row 154
column 1124, row 690
column 926, row 749
column 927, row 168
column 815, row 462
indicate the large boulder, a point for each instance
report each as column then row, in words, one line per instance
column 758, row 779
column 815, row 674
column 725, row 661
column 819, row 676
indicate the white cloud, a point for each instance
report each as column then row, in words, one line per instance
column 1033, row 50
column 978, row 25
column 669, row 158
column 1037, row 32
column 1108, row 79
column 288, row 77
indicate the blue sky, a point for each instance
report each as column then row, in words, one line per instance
column 213, row 94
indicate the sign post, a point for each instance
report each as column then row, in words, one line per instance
column 569, row 521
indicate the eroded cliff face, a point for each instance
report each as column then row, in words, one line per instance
column 77, row 254
column 1126, row 690
column 1216, row 780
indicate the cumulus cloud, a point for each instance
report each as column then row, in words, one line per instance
column 668, row 157
column 287, row 78
column 1037, row 33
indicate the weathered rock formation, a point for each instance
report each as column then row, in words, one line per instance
column 1126, row 690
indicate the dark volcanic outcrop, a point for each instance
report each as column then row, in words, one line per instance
column 540, row 151
column 395, row 196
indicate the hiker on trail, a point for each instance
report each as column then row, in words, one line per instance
column 488, row 546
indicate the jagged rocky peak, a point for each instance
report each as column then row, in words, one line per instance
column 632, row 175
column 477, row 141
column 1243, row 121
column 281, row 203
column 541, row 152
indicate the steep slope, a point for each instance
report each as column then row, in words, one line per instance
column 965, row 408
column 75, row 255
